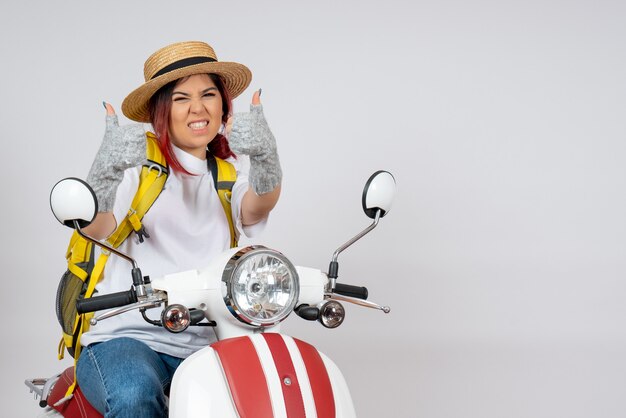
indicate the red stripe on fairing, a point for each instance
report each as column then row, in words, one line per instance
column 246, row 379
column 320, row 382
column 294, row 404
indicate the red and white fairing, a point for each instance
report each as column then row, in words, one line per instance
column 262, row 375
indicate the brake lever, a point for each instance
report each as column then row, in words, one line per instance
column 361, row 302
column 152, row 301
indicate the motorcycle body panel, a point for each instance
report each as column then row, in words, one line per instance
column 204, row 289
column 263, row 375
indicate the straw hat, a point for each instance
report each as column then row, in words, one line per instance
column 180, row 60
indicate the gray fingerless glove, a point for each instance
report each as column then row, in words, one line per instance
column 251, row 135
column 122, row 147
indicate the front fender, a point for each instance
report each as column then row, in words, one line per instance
column 264, row 375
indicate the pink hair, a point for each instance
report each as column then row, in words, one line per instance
column 160, row 106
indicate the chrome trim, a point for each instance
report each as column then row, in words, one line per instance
column 356, row 301
column 185, row 313
column 333, row 280
column 42, row 387
column 105, row 246
column 357, row 236
column 231, row 267
column 328, row 304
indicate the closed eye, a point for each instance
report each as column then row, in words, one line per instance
column 179, row 96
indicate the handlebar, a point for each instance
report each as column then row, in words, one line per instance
column 358, row 292
column 112, row 300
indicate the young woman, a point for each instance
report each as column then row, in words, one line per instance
column 126, row 364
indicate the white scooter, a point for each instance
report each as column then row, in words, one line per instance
column 245, row 293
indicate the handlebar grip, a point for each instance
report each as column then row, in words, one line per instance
column 112, row 300
column 358, row 292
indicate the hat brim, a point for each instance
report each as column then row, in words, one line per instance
column 237, row 78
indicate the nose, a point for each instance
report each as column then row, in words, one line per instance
column 196, row 106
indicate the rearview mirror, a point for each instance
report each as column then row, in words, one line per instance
column 72, row 199
column 378, row 193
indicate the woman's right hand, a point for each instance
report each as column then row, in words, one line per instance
column 122, row 147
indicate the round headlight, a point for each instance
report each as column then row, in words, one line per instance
column 260, row 286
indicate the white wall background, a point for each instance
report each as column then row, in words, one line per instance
column 504, row 257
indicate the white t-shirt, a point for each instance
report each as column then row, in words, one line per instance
column 187, row 228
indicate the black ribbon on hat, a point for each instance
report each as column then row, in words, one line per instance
column 185, row 62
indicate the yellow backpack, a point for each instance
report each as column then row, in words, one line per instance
column 83, row 272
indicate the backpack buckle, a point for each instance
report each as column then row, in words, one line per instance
column 157, row 167
column 138, row 227
column 141, row 234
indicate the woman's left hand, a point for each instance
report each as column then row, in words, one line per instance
column 249, row 134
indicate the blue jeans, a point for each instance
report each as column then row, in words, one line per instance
column 124, row 378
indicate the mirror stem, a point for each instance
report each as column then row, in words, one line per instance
column 104, row 245
column 142, row 288
column 334, row 265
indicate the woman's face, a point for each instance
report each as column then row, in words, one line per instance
column 196, row 114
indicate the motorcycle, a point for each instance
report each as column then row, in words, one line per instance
column 245, row 293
